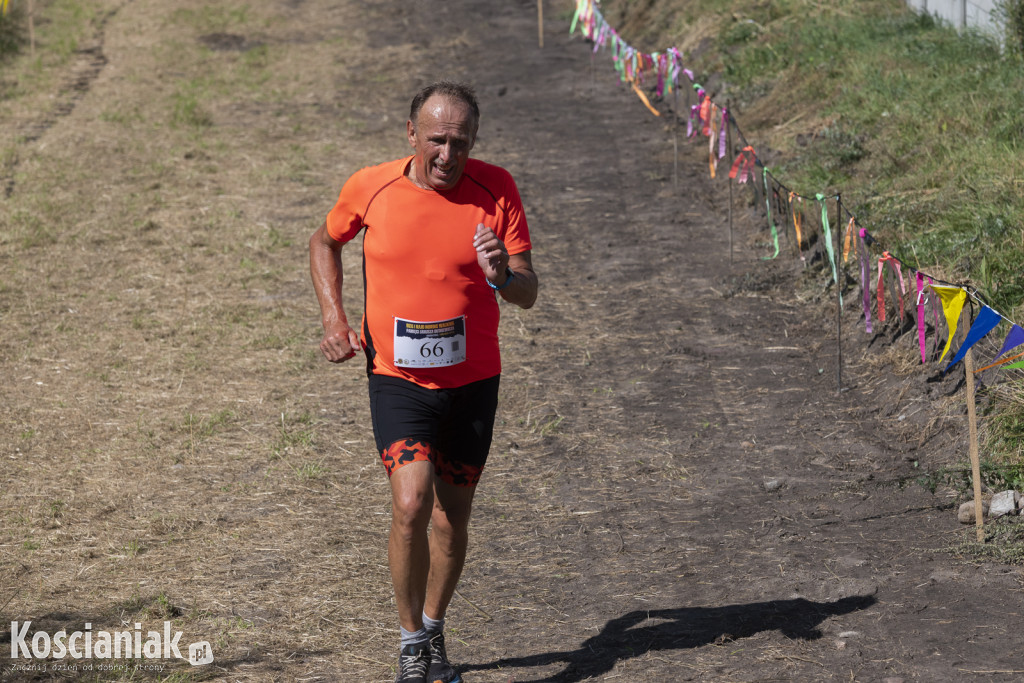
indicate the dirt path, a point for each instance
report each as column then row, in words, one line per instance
column 676, row 490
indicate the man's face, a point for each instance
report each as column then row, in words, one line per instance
column 442, row 137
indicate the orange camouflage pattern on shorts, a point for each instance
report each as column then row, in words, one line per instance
column 406, row 451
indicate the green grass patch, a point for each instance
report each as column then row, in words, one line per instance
column 310, row 471
column 213, row 18
column 296, row 433
column 199, row 427
column 997, row 474
column 1004, row 543
column 186, row 108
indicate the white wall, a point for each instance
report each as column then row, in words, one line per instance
column 975, row 13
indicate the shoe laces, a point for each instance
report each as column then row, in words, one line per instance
column 412, row 666
column 437, row 649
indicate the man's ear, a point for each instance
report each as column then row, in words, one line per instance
column 410, row 131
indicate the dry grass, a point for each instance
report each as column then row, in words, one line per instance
column 174, row 447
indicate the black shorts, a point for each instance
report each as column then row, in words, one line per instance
column 451, row 428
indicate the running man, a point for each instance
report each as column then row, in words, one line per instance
column 443, row 235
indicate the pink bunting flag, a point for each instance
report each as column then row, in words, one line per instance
column 880, row 286
column 722, row 136
column 894, row 266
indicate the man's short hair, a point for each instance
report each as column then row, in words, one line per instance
column 456, row 91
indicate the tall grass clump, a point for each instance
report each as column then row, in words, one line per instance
column 1010, row 14
column 11, row 31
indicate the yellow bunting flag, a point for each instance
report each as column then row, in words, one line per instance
column 798, row 219
column 953, row 299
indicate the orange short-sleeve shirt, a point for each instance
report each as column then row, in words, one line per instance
column 429, row 315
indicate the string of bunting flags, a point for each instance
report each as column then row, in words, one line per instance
column 711, row 120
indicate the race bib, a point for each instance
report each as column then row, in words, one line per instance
column 430, row 344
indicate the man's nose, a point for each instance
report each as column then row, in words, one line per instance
column 446, row 152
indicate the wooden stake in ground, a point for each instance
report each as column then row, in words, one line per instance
column 675, row 138
column 728, row 144
column 839, row 296
column 972, row 425
column 540, row 22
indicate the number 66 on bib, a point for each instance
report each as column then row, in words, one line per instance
column 430, row 344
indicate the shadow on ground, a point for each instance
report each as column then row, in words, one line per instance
column 642, row 631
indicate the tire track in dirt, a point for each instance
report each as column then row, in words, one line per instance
column 84, row 69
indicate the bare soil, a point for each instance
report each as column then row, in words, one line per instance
column 677, row 490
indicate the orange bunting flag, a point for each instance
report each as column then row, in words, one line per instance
column 744, row 164
column 643, row 98
column 850, row 227
column 888, row 259
column 1002, row 362
column 953, row 299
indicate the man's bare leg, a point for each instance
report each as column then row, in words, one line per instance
column 409, row 554
column 449, row 538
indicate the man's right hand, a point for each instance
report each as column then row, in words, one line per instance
column 340, row 342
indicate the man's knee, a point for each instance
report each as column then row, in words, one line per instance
column 412, row 498
column 452, row 508
column 451, row 522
